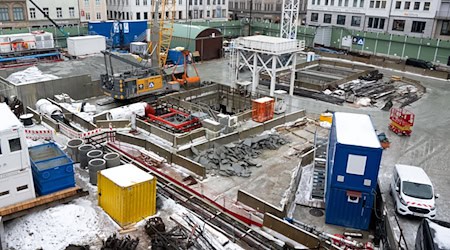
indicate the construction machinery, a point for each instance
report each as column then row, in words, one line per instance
column 141, row 80
column 182, row 77
column 401, row 121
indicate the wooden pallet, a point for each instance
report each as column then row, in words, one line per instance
column 42, row 202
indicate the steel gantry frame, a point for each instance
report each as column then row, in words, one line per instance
column 289, row 19
column 264, row 54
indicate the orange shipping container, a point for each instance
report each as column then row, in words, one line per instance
column 263, row 109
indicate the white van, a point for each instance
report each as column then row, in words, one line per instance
column 413, row 192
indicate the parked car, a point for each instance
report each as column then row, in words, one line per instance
column 413, row 192
column 420, row 63
column 433, row 235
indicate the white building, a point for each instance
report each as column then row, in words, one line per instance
column 401, row 17
column 16, row 180
column 62, row 12
column 92, row 10
column 192, row 9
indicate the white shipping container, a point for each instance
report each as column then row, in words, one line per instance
column 5, row 45
column 21, row 42
column 138, row 47
column 17, row 187
column 85, row 45
column 44, row 40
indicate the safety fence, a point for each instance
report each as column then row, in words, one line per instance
column 37, row 134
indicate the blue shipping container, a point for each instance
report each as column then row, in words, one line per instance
column 120, row 33
column 354, row 153
column 348, row 208
column 52, row 169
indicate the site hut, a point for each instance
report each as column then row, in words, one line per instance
column 203, row 42
column 16, row 180
column 353, row 162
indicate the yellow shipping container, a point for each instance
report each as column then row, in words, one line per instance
column 127, row 193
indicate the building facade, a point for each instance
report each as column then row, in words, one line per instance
column 13, row 13
column 92, row 10
column 184, row 9
column 263, row 10
column 64, row 13
column 418, row 18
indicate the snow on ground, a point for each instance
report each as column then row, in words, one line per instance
column 30, row 75
column 303, row 195
column 55, row 228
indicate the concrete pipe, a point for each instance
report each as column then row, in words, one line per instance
column 95, row 154
column 112, row 160
column 95, row 165
column 124, row 112
column 82, row 154
column 72, row 149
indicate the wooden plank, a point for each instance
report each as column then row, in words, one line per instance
column 15, row 208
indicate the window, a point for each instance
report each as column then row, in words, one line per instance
column 180, row 2
column 0, row 147
column 195, row 3
column 398, row 5
column 340, row 20
column 4, row 14
column 327, row 18
column 332, row 2
column 416, row 5
column 445, row 30
column 86, row 2
column 313, row 2
column 88, row 16
column 14, row 145
column 345, row 3
column 45, row 11
column 71, row 11
column 24, row 187
column 355, row 3
column 99, row 15
column 418, row 27
column 372, row 4
column 146, row 15
column 208, row 13
column 180, row 15
column 314, row 17
column 137, row 2
column 318, row 2
column 361, row 4
column 58, row 12
column 138, row 15
column 32, row 13
column 376, row 23
column 383, row 4
column 327, row 2
column 398, row 25
column 377, row 4
column 97, row 2
column 356, row 164
column 356, row 21
column 4, row 193
column 18, row 14
column 144, row 2
column 426, row 6
column 340, row 3
column 407, row 5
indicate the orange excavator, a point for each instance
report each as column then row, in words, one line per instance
column 182, row 77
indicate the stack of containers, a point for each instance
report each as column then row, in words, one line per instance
column 52, row 169
column 353, row 162
column 127, row 193
column 263, row 109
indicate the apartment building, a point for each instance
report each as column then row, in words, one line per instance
column 92, row 10
column 64, row 13
column 13, row 13
column 369, row 15
column 418, row 18
column 263, row 10
column 184, row 9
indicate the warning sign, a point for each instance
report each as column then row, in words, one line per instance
column 358, row 40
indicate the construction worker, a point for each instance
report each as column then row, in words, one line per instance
column 16, row 105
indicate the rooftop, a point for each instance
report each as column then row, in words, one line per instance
column 355, row 129
column 8, row 118
column 126, row 175
column 413, row 174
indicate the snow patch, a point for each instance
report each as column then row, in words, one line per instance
column 54, row 228
column 441, row 235
column 30, row 75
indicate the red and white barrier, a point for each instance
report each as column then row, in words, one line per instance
column 90, row 133
column 37, row 134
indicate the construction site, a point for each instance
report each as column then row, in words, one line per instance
column 114, row 143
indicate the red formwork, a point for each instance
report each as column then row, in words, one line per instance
column 263, row 109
